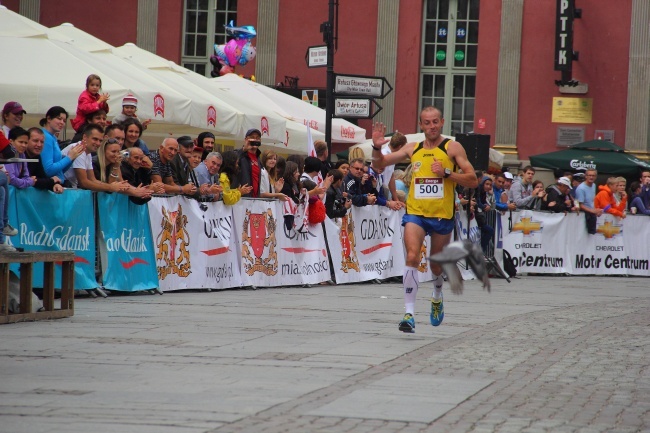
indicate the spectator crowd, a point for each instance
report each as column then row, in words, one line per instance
column 112, row 157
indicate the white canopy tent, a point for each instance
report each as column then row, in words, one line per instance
column 53, row 72
column 293, row 108
column 203, row 110
column 276, row 130
column 55, row 63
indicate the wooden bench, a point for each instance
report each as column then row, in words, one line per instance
column 26, row 260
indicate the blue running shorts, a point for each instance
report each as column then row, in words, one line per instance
column 440, row 226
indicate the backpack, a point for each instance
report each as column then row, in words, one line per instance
column 509, row 264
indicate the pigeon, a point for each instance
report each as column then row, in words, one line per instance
column 456, row 251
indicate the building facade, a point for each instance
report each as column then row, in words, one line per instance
column 490, row 65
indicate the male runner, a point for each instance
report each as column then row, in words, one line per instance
column 430, row 203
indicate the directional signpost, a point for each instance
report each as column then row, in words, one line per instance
column 360, row 108
column 361, row 85
column 347, row 95
column 355, row 95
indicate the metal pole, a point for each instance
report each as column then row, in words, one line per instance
column 330, row 80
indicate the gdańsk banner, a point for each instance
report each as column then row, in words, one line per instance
column 366, row 244
column 274, row 253
column 552, row 243
column 55, row 222
column 194, row 244
column 125, row 244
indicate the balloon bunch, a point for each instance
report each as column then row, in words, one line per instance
column 237, row 51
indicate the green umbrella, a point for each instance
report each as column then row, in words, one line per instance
column 604, row 156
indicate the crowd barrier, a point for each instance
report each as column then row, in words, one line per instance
column 176, row 243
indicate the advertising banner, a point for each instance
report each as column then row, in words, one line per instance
column 277, row 254
column 367, row 245
column 194, row 244
column 551, row 243
column 533, row 241
column 125, row 244
column 636, row 235
column 55, row 222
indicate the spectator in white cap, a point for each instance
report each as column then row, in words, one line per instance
column 12, row 116
column 507, row 183
column 129, row 108
column 558, row 199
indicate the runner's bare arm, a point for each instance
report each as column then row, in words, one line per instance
column 468, row 177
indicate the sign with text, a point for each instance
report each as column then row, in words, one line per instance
column 353, row 108
column 572, row 110
column 316, row 56
column 361, row 86
column 570, row 135
column 564, row 35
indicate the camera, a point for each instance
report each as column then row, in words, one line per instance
column 255, row 143
column 125, row 153
column 203, row 207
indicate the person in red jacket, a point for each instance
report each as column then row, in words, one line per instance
column 605, row 199
column 90, row 101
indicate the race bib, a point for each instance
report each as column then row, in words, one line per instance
column 429, row 187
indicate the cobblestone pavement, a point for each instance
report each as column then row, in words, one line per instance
column 542, row 354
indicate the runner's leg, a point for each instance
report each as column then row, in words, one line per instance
column 413, row 238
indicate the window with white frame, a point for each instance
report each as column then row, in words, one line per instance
column 204, row 24
column 449, row 55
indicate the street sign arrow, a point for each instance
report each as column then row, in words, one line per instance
column 361, row 108
column 361, row 85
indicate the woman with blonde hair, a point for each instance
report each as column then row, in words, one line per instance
column 109, row 169
column 270, row 183
column 620, row 193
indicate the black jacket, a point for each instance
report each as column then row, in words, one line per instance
column 352, row 185
column 555, row 195
column 334, row 203
column 245, row 176
column 43, row 181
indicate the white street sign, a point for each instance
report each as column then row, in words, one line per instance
column 352, row 107
column 317, row 56
column 365, row 86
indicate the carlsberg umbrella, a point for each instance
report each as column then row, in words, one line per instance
column 604, row 156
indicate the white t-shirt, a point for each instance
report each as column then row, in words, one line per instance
column 265, row 184
column 83, row 161
column 388, row 171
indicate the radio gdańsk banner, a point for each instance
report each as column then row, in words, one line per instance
column 194, row 244
column 368, row 245
column 551, row 243
column 273, row 253
column 125, row 244
column 55, row 222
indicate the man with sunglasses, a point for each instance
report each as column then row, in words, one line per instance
column 353, row 184
column 430, row 204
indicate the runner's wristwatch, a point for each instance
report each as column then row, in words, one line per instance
column 447, row 173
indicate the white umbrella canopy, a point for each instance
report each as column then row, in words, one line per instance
column 53, row 72
column 48, row 76
column 206, row 113
column 298, row 110
column 16, row 25
column 272, row 126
